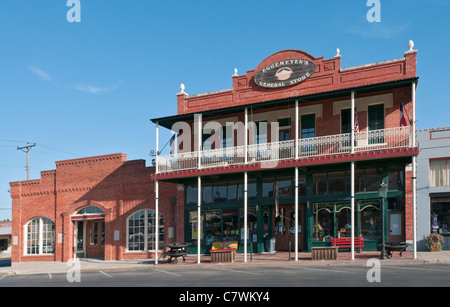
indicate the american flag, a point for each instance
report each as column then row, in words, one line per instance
column 402, row 115
column 356, row 123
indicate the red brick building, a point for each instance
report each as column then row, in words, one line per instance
column 297, row 145
column 101, row 206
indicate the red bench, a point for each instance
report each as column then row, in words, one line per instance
column 347, row 242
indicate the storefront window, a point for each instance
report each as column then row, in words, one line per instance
column 320, row 183
column 213, row 226
column 232, row 194
column 302, row 185
column 268, row 188
column 336, row 183
column 194, row 226
column 440, row 217
column 285, row 187
column 207, row 194
column 220, row 193
column 396, row 178
column 251, row 225
column 230, row 225
column 370, row 220
column 372, row 179
column 396, row 203
column 323, row 222
column 191, row 195
column 359, row 181
column 251, row 190
column 343, row 220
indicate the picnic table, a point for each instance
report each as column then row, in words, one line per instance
column 176, row 250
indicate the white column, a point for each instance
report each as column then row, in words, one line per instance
column 352, row 181
column 296, row 181
column 245, row 183
column 246, row 136
column 198, row 120
column 156, row 221
column 199, row 221
column 245, row 215
column 156, row 148
column 156, row 196
column 352, row 131
column 296, row 213
column 414, row 175
column 352, row 197
column 296, row 129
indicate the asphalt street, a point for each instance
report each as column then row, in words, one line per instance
column 428, row 275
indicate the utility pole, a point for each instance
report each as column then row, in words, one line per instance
column 27, row 149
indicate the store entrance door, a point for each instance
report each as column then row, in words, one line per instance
column 95, row 239
column 284, row 227
column 396, row 226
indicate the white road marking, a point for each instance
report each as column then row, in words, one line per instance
column 106, row 274
column 326, row 270
column 245, row 272
column 167, row 272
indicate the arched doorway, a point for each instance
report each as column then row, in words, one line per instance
column 89, row 232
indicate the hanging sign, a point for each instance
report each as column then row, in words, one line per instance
column 285, row 73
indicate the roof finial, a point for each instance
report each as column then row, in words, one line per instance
column 338, row 53
column 410, row 45
column 182, row 87
column 235, row 73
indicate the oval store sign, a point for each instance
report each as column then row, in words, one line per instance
column 285, row 73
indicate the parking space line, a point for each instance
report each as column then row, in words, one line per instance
column 3, row 277
column 416, row 269
column 168, row 272
column 327, row 270
column 106, row 274
column 239, row 271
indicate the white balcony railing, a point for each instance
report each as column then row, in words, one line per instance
column 276, row 151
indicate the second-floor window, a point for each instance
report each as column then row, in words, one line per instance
column 440, row 173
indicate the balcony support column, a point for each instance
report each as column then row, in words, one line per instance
column 296, row 181
column 156, row 221
column 296, row 129
column 414, row 182
column 199, row 221
column 352, row 131
column 246, row 136
column 245, row 215
column 156, row 148
column 352, row 180
column 352, row 199
column 198, row 121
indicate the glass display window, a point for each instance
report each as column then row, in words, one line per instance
column 323, row 222
column 370, row 220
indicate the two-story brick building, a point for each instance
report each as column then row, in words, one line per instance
column 295, row 153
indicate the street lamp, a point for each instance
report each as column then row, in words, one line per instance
column 382, row 193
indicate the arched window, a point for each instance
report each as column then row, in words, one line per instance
column 40, row 237
column 90, row 210
column 141, row 231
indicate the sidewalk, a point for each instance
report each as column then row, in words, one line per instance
column 272, row 259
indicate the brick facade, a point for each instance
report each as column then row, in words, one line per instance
column 118, row 187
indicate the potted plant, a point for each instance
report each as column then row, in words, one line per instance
column 434, row 242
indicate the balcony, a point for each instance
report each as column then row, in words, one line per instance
column 365, row 141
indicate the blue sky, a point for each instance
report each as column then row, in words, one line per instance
column 90, row 88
